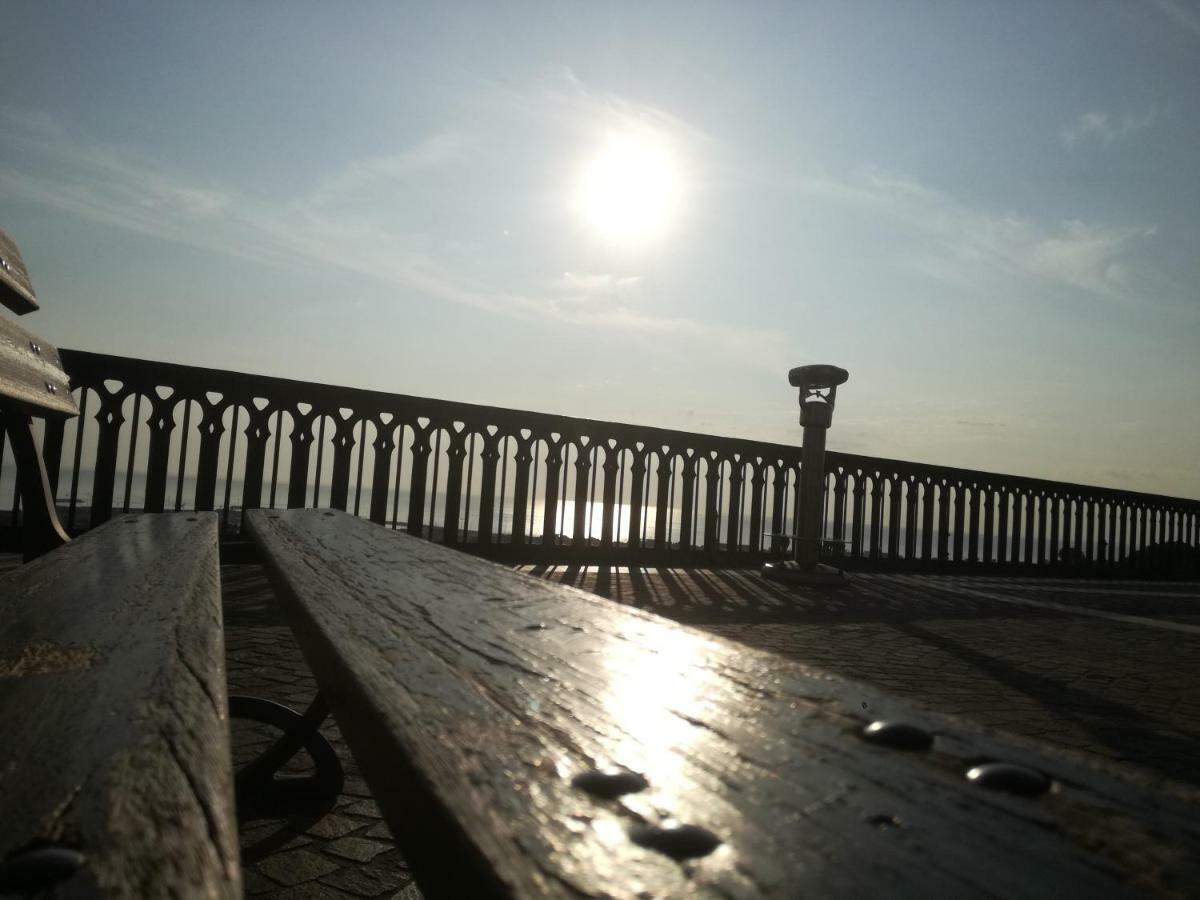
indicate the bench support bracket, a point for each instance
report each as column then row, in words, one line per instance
column 260, row 787
column 42, row 532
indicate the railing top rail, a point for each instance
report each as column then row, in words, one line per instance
column 870, row 464
column 97, row 367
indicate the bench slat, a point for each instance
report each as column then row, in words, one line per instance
column 32, row 376
column 472, row 696
column 15, row 290
column 113, row 710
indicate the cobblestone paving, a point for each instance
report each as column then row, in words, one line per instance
column 1068, row 670
column 343, row 852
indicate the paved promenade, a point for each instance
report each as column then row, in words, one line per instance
column 1106, row 669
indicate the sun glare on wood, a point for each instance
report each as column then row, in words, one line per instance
column 629, row 191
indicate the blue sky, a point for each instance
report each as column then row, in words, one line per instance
column 988, row 212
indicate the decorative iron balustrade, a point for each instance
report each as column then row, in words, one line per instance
column 530, row 486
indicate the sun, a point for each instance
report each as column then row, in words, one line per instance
column 629, row 191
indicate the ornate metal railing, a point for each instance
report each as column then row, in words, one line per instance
column 524, row 485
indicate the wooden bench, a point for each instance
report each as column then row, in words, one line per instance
column 115, row 771
column 525, row 739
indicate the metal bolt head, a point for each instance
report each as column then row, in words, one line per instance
column 37, row 870
column 1010, row 778
column 610, row 783
column 898, row 735
column 675, row 840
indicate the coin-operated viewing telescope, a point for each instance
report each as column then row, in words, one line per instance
column 818, row 386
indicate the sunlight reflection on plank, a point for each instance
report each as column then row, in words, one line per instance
column 653, row 695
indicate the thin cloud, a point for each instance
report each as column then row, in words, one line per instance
column 585, row 286
column 431, row 152
column 1182, row 16
column 117, row 189
column 964, row 243
column 979, row 423
column 565, row 101
column 1104, row 129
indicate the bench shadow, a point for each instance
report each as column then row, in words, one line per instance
column 248, row 599
column 1119, row 727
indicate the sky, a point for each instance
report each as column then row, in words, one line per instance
column 988, row 212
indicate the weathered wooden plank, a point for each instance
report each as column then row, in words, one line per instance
column 16, row 292
column 31, row 371
column 113, row 710
column 474, row 698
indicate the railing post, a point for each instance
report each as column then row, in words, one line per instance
column 927, row 503
column 258, row 432
column 522, row 461
column 687, row 508
column 818, row 386
column 110, row 418
column 162, row 423
column 733, row 516
column 608, row 492
column 637, row 475
column 456, row 453
column 554, row 464
column 416, row 481
column 666, row 474
column 381, row 477
column 343, row 449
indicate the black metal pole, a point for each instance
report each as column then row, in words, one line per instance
column 818, row 389
column 815, row 419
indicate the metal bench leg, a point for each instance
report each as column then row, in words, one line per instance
column 42, row 531
column 259, row 786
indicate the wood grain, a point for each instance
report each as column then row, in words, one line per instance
column 113, row 711
column 475, row 697
column 31, row 371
